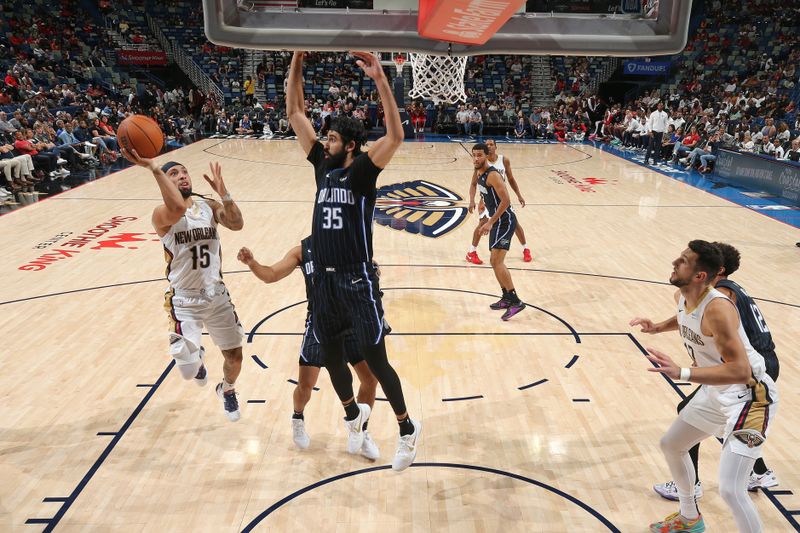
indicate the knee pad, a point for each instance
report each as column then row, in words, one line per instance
column 187, row 355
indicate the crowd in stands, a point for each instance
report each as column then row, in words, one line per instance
column 735, row 85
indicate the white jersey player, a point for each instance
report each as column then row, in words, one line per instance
column 197, row 296
column 503, row 165
column 737, row 401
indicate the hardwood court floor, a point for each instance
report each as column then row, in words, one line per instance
column 549, row 422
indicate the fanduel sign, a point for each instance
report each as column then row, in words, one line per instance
column 644, row 68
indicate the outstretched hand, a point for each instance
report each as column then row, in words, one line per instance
column 665, row 364
column 245, row 256
column 216, row 181
column 645, row 323
column 370, row 64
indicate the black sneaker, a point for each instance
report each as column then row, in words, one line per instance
column 202, row 374
column 500, row 304
column 230, row 402
column 513, row 309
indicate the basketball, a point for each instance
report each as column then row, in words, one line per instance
column 142, row 134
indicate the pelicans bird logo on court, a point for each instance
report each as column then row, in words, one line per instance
column 419, row 207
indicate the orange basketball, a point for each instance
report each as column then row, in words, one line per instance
column 142, row 134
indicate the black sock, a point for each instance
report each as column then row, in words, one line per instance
column 512, row 295
column 694, row 454
column 351, row 410
column 760, row 467
column 364, row 427
column 406, row 427
column 298, row 416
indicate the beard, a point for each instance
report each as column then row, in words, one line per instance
column 677, row 282
column 335, row 160
column 186, row 193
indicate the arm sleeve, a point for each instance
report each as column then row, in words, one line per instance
column 316, row 155
column 364, row 174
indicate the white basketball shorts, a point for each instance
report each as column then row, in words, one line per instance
column 190, row 310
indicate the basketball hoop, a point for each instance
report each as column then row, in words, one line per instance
column 440, row 78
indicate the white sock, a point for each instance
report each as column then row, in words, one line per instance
column 473, row 249
column 226, row 386
column 524, row 246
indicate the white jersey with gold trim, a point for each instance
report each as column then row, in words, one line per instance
column 192, row 249
column 499, row 165
column 703, row 348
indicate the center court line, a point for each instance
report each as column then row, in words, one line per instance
column 516, row 269
column 459, row 203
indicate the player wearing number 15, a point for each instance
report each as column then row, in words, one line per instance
column 187, row 225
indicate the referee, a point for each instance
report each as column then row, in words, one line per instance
column 656, row 126
column 347, row 295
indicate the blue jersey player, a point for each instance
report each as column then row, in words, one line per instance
column 500, row 226
column 347, row 296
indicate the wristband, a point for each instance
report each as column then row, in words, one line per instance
column 227, row 198
column 686, row 374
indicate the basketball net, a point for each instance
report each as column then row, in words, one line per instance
column 440, row 78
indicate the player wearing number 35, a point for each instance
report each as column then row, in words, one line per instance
column 187, row 225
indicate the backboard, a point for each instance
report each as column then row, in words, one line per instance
column 542, row 27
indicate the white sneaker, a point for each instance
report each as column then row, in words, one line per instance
column 299, row 435
column 61, row 161
column 669, row 490
column 407, row 448
column 369, row 449
column 762, row 481
column 230, row 402
column 355, row 437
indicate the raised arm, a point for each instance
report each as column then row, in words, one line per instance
column 174, row 206
column 511, row 181
column 382, row 150
column 273, row 273
column 227, row 213
column 296, row 105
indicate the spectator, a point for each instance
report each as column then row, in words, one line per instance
column 793, row 154
column 245, row 126
column 475, row 121
column 521, row 126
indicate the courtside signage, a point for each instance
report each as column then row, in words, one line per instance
column 67, row 245
column 647, row 68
